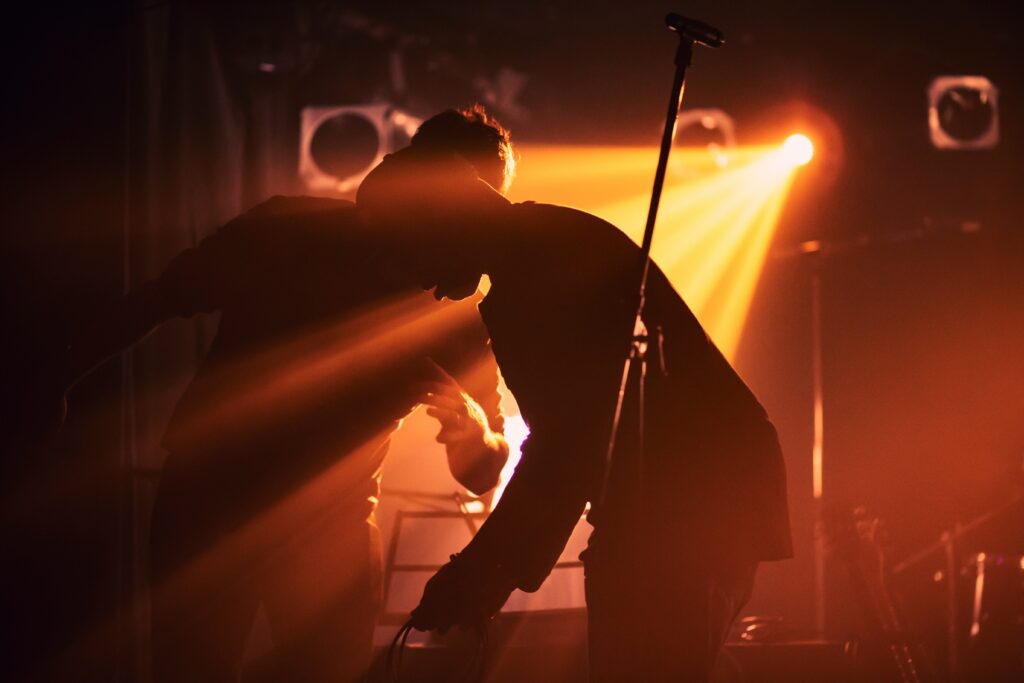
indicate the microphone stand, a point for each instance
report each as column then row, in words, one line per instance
column 690, row 32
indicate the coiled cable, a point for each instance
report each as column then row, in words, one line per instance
column 474, row 672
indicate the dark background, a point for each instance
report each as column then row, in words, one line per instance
column 131, row 129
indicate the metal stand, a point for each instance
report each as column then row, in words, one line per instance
column 818, row 447
column 816, row 251
column 690, row 32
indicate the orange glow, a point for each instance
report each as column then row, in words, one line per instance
column 516, row 432
column 715, row 222
column 271, row 384
column 799, row 149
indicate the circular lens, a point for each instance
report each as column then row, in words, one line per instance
column 344, row 145
column 965, row 114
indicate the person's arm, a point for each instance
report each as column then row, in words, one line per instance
column 520, row 542
column 464, row 398
column 522, row 539
column 200, row 279
column 195, row 281
column 525, row 534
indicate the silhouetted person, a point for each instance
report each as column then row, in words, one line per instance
column 267, row 496
column 675, row 546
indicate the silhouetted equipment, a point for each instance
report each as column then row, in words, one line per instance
column 550, row 646
column 690, row 31
column 995, row 638
column 963, row 113
column 858, row 540
column 955, row 609
column 695, row 31
column 971, row 582
column 339, row 145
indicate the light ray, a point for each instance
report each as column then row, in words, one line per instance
column 714, row 224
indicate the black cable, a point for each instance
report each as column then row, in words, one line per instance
column 474, row 672
column 481, row 657
column 393, row 662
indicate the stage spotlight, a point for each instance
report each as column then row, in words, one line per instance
column 798, row 149
column 339, row 145
column 714, row 225
column 963, row 113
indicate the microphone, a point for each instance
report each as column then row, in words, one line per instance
column 694, row 30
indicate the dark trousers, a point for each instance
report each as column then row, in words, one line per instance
column 660, row 619
column 316, row 572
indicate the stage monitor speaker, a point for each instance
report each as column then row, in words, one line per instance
column 963, row 113
column 339, row 145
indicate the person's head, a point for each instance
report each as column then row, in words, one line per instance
column 435, row 199
column 477, row 137
column 437, row 216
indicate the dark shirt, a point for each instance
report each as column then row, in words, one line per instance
column 560, row 313
column 321, row 344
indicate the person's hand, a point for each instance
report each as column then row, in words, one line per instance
column 463, row 422
column 476, row 454
column 462, row 594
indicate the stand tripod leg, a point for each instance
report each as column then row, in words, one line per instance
column 683, row 57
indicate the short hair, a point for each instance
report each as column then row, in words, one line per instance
column 477, row 137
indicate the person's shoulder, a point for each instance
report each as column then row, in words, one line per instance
column 286, row 222
column 296, row 214
column 564, row 215
column 283, row 206
column 568, row 223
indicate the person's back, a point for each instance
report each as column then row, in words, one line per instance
column 276, row 447
column 560, row 314
column 321, row 346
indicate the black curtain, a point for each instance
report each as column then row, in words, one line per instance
column 130, row 132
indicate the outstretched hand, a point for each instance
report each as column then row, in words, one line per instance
column 476, row 454
column 462, row 420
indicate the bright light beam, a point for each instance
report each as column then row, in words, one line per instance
column 714, row 226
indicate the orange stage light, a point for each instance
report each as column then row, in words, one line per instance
column 799, row 149
column 714, row 225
